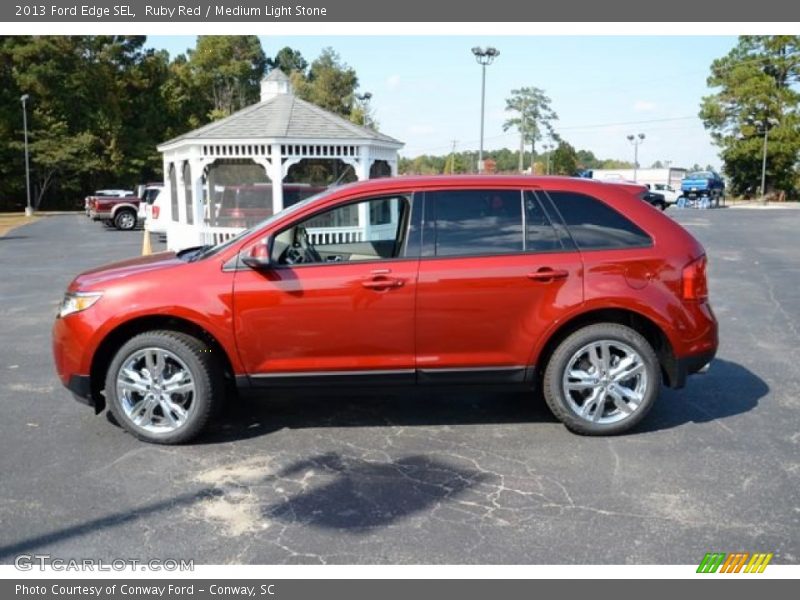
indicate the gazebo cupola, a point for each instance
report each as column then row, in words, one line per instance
column 267, row 156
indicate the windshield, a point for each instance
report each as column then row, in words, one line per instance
column 700, row 175
column 211, row 250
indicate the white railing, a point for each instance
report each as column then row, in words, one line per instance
column 334, row 235
column 184, row 236
column 218, row 235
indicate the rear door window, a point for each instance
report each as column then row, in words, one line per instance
column 473, row 222
column 596, row 226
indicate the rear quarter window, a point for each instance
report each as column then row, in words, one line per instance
column 594, row 225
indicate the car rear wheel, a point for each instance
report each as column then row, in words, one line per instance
column 125, row 220
column 163, row 386
column 602, row 379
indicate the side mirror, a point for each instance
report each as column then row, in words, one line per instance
column 258, row 255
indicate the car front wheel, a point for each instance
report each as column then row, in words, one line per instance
column 162, row 386
column 602, row 379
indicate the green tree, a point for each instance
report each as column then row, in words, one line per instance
column 330, row 84
column 534, row 117
column 564, row 159
column 227, row 70
column 288, row 60
column 756, row 94
column 94, row 113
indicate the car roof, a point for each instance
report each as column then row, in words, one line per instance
column 413, row 182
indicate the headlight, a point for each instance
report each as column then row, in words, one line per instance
column 77, row 301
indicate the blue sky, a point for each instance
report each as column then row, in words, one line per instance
column 426, row 89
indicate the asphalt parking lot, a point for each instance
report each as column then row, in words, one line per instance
column 446, row 476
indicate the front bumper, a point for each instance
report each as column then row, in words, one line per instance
column 81, row 388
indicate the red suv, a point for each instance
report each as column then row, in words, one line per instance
column 571, row 286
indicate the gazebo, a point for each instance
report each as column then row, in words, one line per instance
column 233, row 172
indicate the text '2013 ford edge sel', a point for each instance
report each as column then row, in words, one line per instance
column 574, row 287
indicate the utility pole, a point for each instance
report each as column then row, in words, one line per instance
column 28, row 207
column 453, row 158
column 485, row 57
column 522, row 137
column 764, row 166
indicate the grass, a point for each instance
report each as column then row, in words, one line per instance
column 9, row 221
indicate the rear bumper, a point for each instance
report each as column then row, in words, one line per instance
column 689, row 365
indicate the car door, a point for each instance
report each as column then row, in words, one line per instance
column 338, row 302
column 494, row 275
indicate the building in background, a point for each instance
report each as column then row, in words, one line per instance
column 234, row 172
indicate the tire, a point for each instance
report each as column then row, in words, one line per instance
column 137, row 400
column 125, row 220
column 574, row 407
column 662, row 206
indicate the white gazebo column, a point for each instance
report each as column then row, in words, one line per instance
column 362, row 172
column 166, row 192
column 198, row 200
column 181, row 191
column 275, row 173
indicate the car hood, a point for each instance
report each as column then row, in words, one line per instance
column 98, row 277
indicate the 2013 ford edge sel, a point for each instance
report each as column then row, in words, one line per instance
column 566, row 285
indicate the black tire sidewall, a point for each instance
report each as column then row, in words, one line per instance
column 190, row 350
column 553, row 377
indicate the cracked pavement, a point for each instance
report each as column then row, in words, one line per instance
column 448, row 475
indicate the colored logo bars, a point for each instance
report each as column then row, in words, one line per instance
column 734, row 563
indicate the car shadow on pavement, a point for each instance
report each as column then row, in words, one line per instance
column 727, row 389
column 360, row 495
column 410, row 406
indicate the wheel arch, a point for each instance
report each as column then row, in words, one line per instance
column 125, row 206
column 640, row 323
column 114, row 340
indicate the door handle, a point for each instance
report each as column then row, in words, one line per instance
column 382, row 283
column 546, row 274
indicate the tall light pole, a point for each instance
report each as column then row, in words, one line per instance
column 636, row 140
column 485, row 57
column 28, row 207
column 364, row 100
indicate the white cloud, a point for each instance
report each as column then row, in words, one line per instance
column 644, row 106
column 393, row 82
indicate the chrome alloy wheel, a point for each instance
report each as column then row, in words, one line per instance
column 605, row 381
column 156, row 390
column 127, row 220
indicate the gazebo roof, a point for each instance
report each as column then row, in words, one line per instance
column 285, row 116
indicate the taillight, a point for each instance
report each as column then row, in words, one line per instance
column 156, row 210
column 695, row 284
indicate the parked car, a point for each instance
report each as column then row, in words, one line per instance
column 670, row 194
column 568, row 285
column 644, row 192
column 151, row 208
column 703, row 185
column 655, row 199
column 116, row 193
column 121, row 212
